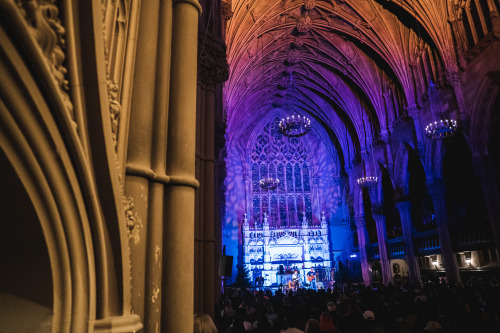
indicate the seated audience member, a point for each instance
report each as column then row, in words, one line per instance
column 326, row 324
column 433, row 326
column 202, row 323
column 312, row 326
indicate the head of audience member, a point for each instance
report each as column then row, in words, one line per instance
column 202, row 323
column 326, row 324
column 312, row 326
column 369, row 315
column 433, row 326
column 332, row 307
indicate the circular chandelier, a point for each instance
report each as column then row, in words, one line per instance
column 295, row 126
column 367, row 181
column 441, row 129
column 269, row 183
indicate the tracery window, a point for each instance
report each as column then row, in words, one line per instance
column 275, row 155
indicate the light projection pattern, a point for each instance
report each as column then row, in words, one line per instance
column 275, row 155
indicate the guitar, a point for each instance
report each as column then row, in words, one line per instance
column 310, row 277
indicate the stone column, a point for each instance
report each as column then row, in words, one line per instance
column 413, row 111
column 359, row 220
column 317, row 205
column 485, row 172
column 404, row 208
column 140, row 149
column 178, row 284
column 436, row 190
column 459, row 33
column 495, row 19
column 381, row 236
column 453, row 77
column 212, row 71
column 386, row 137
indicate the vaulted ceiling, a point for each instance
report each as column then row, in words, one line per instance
column 352, row 66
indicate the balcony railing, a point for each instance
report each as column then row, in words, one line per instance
column 395, row 248
column 427, row 242
column 473, row 240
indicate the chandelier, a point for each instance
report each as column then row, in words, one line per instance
column 367, row 181
column 295, row 126
column 269, row 183
column 441, row 129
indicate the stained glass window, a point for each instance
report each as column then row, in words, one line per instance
column 285, row 158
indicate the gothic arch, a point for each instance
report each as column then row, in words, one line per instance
column 40, row 136
column 33, row 142
column 482, row 108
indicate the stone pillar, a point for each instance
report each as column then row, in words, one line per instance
column 386, row 137
column 453, row 77
column 248, row 199
column 381, row 236
column 212, row 71
column 413, row 111
column 178, row 284
column 404, row 208
column 316, row 197
column 459, row 33
column 359, row 220
column 495, row 19
column 140, row 149
column 436, row 190
column 485, row 172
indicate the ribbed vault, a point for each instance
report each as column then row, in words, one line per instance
column 356, row 65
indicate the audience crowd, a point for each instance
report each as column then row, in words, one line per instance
column 472, row 306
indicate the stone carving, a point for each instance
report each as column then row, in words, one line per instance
column 304, row 23
column 283, row 84
column 309, row 4
column 134, row 222
column 293, row 56
column 114, row 109
column 227, row 12
column 43, row 19
column 212, row 63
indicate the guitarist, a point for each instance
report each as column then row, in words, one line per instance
column 311, row 277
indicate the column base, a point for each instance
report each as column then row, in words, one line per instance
column 123, row 324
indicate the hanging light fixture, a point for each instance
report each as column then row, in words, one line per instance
column 296, row 125
column 266, row 183
column 441, row 127
column 367, row 181
column 269, row 183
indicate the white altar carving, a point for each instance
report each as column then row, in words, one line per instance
column 266, row 248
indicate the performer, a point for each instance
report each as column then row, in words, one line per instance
column 311, row 277
column 295, row 280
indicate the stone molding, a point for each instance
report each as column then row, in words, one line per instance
column 42, row 17
column 212, row 61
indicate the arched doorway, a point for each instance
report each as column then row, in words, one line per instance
column 26, row 289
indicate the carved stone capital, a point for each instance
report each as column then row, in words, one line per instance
column 212, row 62
column 385, row 135
column 220, row 134
column 453, row 76
column 227, row 10
column 413, row 111
column 359, row 221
